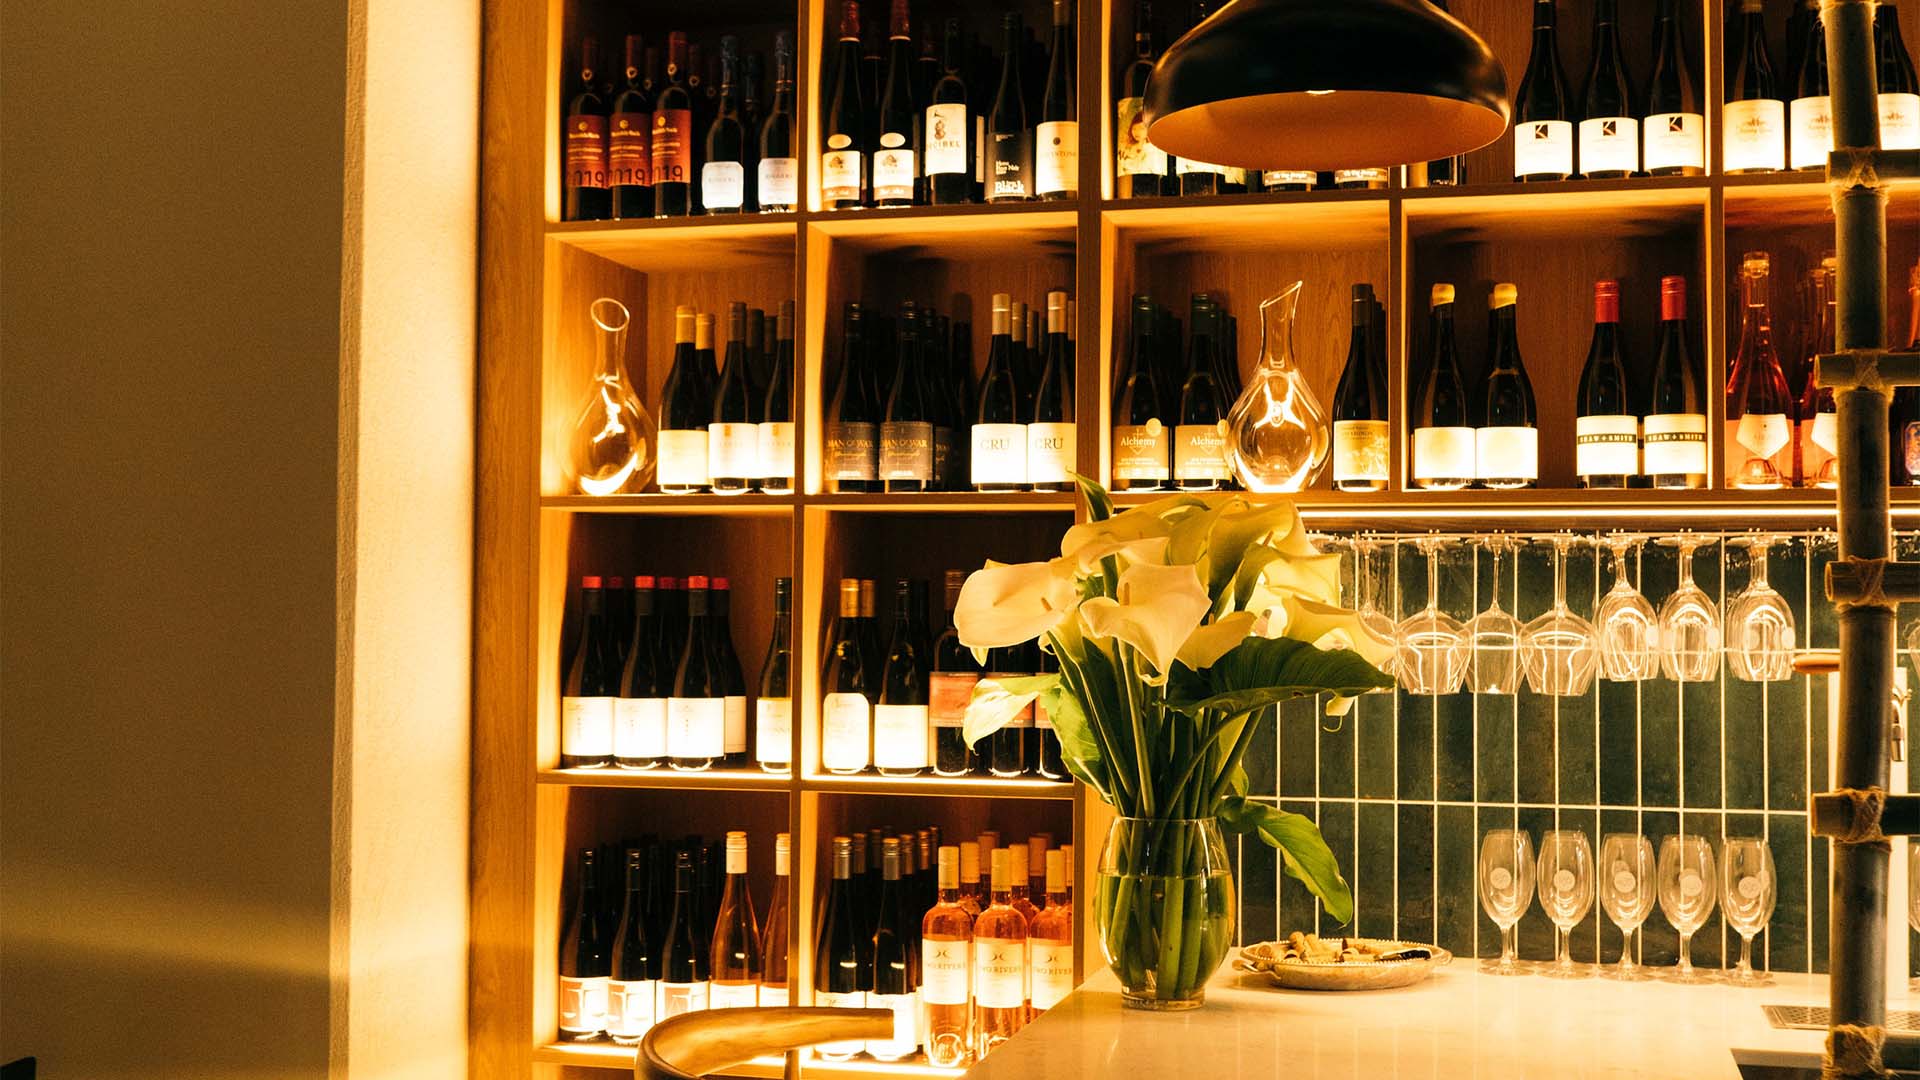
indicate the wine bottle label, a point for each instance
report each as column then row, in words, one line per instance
column 1810, row 131
column 773, row 729
column 1817, row 467
column 1909, row 450
column 723, row 185
column 946, row 139
column 1140, row 451
column 1507, row 453
column 1900, row 121
column 1763, row 434
column 855, row 999
column 943, row 456
column 900, row 736
column 680, row 998
column 1756, row 134
column 586, row 726
column 630, row 1007
column 947, row 695
column 906, row 1035
column 1289, row 178
column 1183, row 166
column 906, row 450
column 1442, row 453
column 841, row 174
column 999, row 453
column 773, row 997
column 1050, row 453
column 1010, row 166
column 1610, row 144
column 587, row 151
column 1134, row 154
column 1368, row 177
column 640, row 728
column 1675, row 141
column 1542, row 148
column 943, row 970
column 696, row 727
column 583, row 1004
column 1360, row 450
column 1052, row 965
column 773, row 448
column 734, row 711
column 672, row 146
column 1234, row 174
column 1023, row 718
column 1826, row 432
column 850, row 450
column 733, row 450
column 1675, row 444
column 683, row 457
column 893, row 173
column 721, row 995
column 1200, row 452
column 1606, row 445
column 1056, row 157
column 999, row 973
column 630, row 150
column 846, row 724
column 777, row 180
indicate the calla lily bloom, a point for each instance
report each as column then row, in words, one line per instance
column 1010, row 603
column 1157, row 609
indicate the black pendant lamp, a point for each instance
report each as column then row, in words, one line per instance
column 1326, row 84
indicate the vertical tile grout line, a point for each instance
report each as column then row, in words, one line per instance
column 1394, row 734
column 1725, row 672
column 1639, row 742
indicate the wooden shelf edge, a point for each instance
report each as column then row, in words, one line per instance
column 936, row 502
column 610, row 1056
column 738, row 224
column 947, row 787
column 658, row 503
column 667, row 779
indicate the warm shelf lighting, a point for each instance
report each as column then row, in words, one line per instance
column 1326, row 84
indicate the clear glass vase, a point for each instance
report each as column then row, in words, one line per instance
column 611, row 448
column 1165, row 908
column 1277, row 434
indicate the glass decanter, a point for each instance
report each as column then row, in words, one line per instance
column 611, row 448
column 1277, row 435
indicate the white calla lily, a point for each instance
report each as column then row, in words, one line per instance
column 1157, row 609
column 1120, row 529
column 1328, row 626
column 1010, row 603
column 1216, row 639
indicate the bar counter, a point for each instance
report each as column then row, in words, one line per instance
column 1459, row 1023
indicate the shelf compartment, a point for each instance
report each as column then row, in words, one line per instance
column 665, row 779
column 1598, row 209
column 683, row 244
column 951, row 230
column 958, row 787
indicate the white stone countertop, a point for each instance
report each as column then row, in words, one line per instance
column 1459, row 1024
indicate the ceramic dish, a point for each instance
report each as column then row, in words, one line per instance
column 1356, row 974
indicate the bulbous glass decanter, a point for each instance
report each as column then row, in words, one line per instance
column 1277, row 435
column 611, row 449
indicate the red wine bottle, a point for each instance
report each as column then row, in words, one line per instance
column 948, row 127
column 1507, row 445
column 1141, row 168
column 846, row 711
column 630, row 139
column 672, row 143
column 775, row 436
column 1753, row 119
column 733, row 434
column 999, row 438
column 1009, row 136
column 906, row 433
column 733, row 682
column 1899, row 88
column 1609, row 125
column 853, row 415
column 584, row 960
column 896, row 160
column 893, row 960
column 1141, row 440
column 843, row 162
column 1543, row 111
column 1056, row 140
column 697, row 711
column 777, row 179
column 1443, row 435
column 901, row 735
column 723, row 168
column 684, row 982
column 1606, row 433
column 1810, row 113
column 1360, row 435
column 1673, row 135
column 633, row 986
column 773, row 708
column 843, row 959
column 640, row 715
column 591, row 685
column 950, row 688
column 686, row 409
column 587, row 195
column 1051, row 433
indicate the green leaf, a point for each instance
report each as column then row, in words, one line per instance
column 1099, row 502
column 1265, row 671
column 996, row 702
column 1303, row 851
column 1252, row 565
column 1079, row 750
column 1233, row 533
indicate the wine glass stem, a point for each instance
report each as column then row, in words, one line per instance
column 1565, row 958
column 1433, row 577
column 1506, row 947
column 1626, row 952
column 1559, row 576
column 1686, row 952
column 1746, row 956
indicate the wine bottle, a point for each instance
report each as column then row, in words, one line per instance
column 697, row 711
column 635, row 973
column 759, row 360
column 587, row 195
column 734, row 958
column 842, row 962
column 972, row 898
column 946, row 945
column 1141, row 167
column 949, row 131
column 1542, row 114
column 1019, row 889
column 683, row 964
column 1606, row 432
column 998, row 438
column 896, row 158
column 723, row 168
column 773, row 437
column 774, row 936
column 1056, row 155
column 640, row 715
column 672, row 141
column 900, row 724
column 1046, row 741
column 1008, row 747
column 1051, row 435
column 1368, row 179
column 1141, row 442
column 873, row 647
column 1754, row 118
column 733, row 437
column 999, row 963
column 949, row 408
column 699, row 91
column 591, row 686
column 1899, row 88
column 892, row 960
column 1507, row 445
column 1759, row 407
column 949, row 688
column 852, row 436
column 1200, row 435
column 1443, row 435
column 1026, row 370
column 630, row 142
column 1360, row 435
column 1009, row 136
column 777, row 176
column 686, row 408
column 1675, row 432
column 1036, row 892
column 846, row 715
column 584, row 958
column 1444, row 172
column 1810, row 113
column 1674, row 132
column 773, row 709
column 1609, row 125
column 733, row 682
column 752, row 116
column 1050, row 941
column 843, row 165
column 906, row 433
column 1816, row 435
column 707, row 861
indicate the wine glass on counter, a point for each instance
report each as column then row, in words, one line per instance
column 1506, row 888
column 1687, row 895
column 1689, row 624
column 1747, row 889
column 1629, row 627
column 1431, row 653
column 1565, row 877
column 1760, row 629
column 1493, row 637
column 1559, row 649
column 1627, row 872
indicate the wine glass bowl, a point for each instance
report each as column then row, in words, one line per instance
column 1493, row 638
column 1627, row 871
column 1565, row 877
column 1690, row 632
column 1559, row 650
column 1687, row 892
column 1629, row 626
column 1505, row 879
column 1760, row 627
column 1747, row 890
column 1431, row 649
column 1370, row 616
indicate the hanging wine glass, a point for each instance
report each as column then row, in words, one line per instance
column 1629, row 627
column 1760, row 630
column 1559, row 650
column 1431, row 653
column 1493, row 638
column 1689, row 624
column 1277, row 436
column 611, row 449
column 1365, row 610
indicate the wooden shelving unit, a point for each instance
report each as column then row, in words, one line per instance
column 534, row 537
